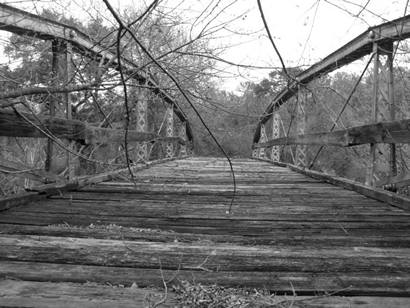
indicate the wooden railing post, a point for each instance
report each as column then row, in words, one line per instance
column 275, row 153
column 169, row 129
column 142, row 125
column 301, row 126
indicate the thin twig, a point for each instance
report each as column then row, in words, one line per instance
column 175, row 81
column 343, row 108
column 164, row 298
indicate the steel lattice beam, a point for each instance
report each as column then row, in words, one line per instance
column 383, row 34
column 24, row 23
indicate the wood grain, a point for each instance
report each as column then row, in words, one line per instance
column 287, row 232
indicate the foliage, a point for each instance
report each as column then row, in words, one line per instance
column 196, row 295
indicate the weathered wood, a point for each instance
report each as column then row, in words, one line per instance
column 383, row 132
column 54, row 188
column 307, row 235
column 42, row 191
column 19, row 199
column 58, row 188
column 363, row 283
column 206, row 189
column 374, row 193
column 44, row 294
column 278, row 238
column 205, row 226
column 284, row 194
column 401, row 180
column 336, row 301
column 39, row 90
column 177, row 210
column 106, row 176
column 22, row 170
column 214, row 257
column 14, row 125
column 238, row 228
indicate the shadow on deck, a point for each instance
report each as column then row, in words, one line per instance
column 287, row 233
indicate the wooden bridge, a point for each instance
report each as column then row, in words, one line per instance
column 287, row 231
column 124, row 237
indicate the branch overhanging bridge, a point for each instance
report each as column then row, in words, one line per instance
column 166, row 216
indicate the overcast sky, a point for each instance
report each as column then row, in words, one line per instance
column 304, row 30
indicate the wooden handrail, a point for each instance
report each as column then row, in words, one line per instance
column 399, row 201
column 18, row 125
column 383, row 132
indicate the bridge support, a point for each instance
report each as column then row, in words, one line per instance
column 255, row 153
column 383, row 108
column 301, row 126
column 142, row 125
column 169, row 147
column 275, row 153
column 68, row 76
column 182, row 135
column 262, row 139
column 60, row 105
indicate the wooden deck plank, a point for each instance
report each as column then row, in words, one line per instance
column 298, row 237
column 286, row 232
column 206, row 211
column 218, row 257
column 217, row 212
column 363, row 283
column 201, row 225
column 44, row 294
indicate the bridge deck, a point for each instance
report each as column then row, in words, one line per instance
column 287, row 233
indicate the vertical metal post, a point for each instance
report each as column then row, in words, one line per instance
column 255, row 153
column 182, row 135
column 67, row 102
column 372, row 160
column 169, row 147
column 275, row 154
column 391, row 104
column 383, row 105
column 142, row 125
column 263, row 138
column 51, row 102
column 61, row 75
column 301, row 127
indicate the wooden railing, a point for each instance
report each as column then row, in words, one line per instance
column 58, row 125
column 378, row 42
